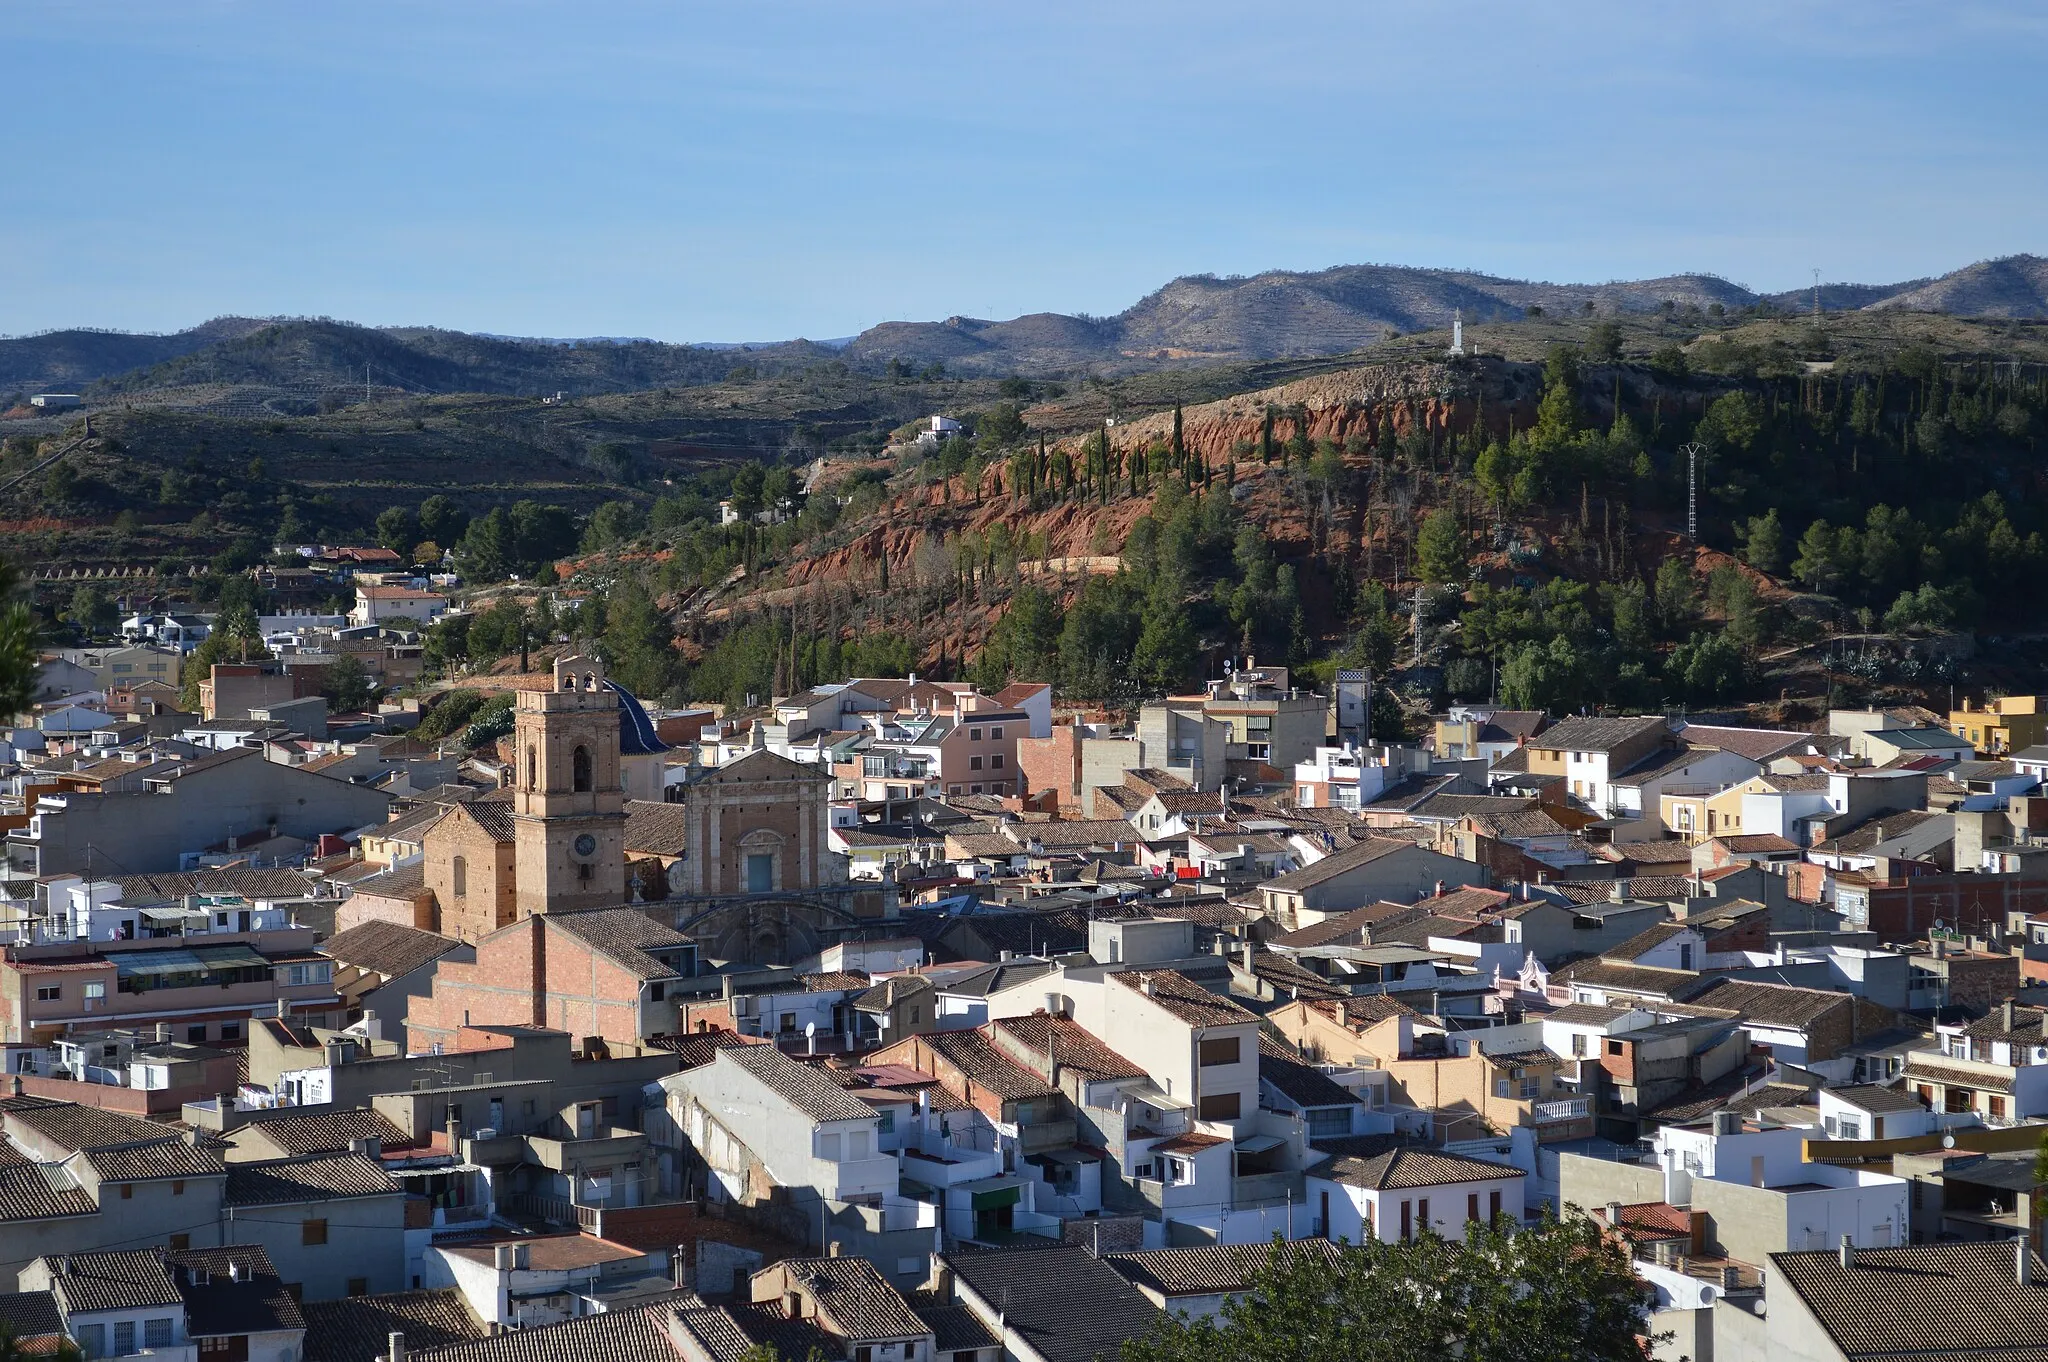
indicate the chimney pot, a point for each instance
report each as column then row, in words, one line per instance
column 395, row 1348
column 1847, row 1252
column 2023, row 1261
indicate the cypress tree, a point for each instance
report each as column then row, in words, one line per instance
column 1179, row 450
column 1266, row 437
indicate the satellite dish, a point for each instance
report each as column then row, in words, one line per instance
column 1948, row 1141
column 810, row 1028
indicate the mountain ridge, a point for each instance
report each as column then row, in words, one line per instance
column 1191, row 320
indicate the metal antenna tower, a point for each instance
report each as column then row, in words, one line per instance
column 1692, row 490
column 1816, row 293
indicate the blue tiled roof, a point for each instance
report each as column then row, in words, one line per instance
column 637, row 737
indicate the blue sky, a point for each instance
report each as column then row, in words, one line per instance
column 751, row 171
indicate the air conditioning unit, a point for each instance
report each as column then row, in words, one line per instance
column 743, row 1007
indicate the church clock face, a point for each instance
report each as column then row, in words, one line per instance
column 586, row 845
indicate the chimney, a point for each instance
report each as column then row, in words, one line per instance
column 284, row 1009
column 832, row 1249
column 2005, row 1015
column 2023, row 1261
column 522, row 1256
column 1727, row 1123
column 18, row 1086
column 192, row 1137
column 1847, row 1253
column 942, row 1280
column 163, row 1033
column 501, row 1257
column 370, row 1147
column 454, row 1129
column 678, row 1266
column 395, row 1348
column 1614, row 1215
column 1246, row 953
column 1145, row 984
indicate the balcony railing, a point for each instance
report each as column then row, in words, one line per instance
column 1562, row 1109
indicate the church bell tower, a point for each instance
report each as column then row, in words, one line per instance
column 568, row 801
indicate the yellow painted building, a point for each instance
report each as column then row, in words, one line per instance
column 2011, row 723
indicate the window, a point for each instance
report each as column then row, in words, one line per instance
column 312, row 1232
column 309, row 974
column 459, row 870
column 127, row 1191
column 92, row 1339
column 533, row 768
column 579, row 770
column 124, row 1338
column 95, row 990
column 1493, row 1204
column 1220, row 1050
column 359, row 1286
column 863, row 1353
column 916, row 1015
column 179, row 1242
column 177, row 1186
column 1997, row 1108
column 156, row 1333
column 1578, row 1045
column 996, row 733
column 196, row 1033
column 1613, row 1047
column 995, row 763
column 760, row 873
column 856, row 1144
column 1422, row 1214
column 1324, row 1122
column 1407, row 1221
column 230, row 1030
column 974, row 763
column 1221, row 1106
column 49, row 993
column 1472, row 1206
column 828, row 1146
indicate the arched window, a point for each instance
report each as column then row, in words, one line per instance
column 533, row 768
column 579, row 770
column 461, row 869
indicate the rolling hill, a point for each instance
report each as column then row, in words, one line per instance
column 1192, row 322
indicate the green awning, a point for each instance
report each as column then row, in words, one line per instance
column 999, row 1198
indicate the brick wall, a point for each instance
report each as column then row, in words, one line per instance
column 529, row 975
column 1982, row 982
column 486, row 902
column 1052, row 765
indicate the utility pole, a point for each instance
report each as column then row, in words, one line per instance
column 1692, row 490
column 366, row 383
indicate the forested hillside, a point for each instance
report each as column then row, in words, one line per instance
column 1868, row 493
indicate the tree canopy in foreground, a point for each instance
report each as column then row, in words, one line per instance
column 1559, row 1291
